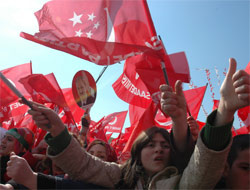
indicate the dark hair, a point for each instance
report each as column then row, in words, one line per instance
column 132, row 170
column 240, row 143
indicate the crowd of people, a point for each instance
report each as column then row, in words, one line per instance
column 185, row 158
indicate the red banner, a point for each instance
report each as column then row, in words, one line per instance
column 103, row 32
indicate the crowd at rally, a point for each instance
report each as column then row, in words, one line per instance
column 185, row 158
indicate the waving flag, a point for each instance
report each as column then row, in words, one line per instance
column 103, row 32
column 143, row 75
column 114, row 122
column 194, row 98
column 150, row 71
column 130, row 88
column 13, row 74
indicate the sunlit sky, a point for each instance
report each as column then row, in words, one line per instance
column 209, row 32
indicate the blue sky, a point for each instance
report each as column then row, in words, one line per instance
column 209, row 32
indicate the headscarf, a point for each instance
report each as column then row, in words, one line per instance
column 111, row 155
column 24, row 136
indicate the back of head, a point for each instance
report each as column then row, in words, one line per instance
column 240, row 143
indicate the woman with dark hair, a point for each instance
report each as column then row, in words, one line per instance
column 150, row 154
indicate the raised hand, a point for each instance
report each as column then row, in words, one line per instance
column 173, row 103
column 43, row 116
column 19, row 170
column 235, row 93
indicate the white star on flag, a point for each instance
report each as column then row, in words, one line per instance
column 76, row 19
column 89, row 34
column 91, row 17
column 96, row 25
column 78, row 33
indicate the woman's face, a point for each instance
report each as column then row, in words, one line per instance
column 7, row 145
column 155, row 155
column 98, row 151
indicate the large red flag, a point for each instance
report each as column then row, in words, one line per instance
column 103, row 32
column 114, row 122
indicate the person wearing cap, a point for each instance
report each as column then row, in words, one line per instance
column 19, row 141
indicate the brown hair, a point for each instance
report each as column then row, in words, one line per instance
column 132, row 170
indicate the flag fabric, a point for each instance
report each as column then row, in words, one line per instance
column 143, row 123
column 150, row 71
column 103, row 32
column 130, row 88
column 142, row 76
column 13, row 74
column 96, row 132
column 114, row 122
column 194, row 98
column 216, row 104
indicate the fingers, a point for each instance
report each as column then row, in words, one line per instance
column 178, row 87
column 232, row 67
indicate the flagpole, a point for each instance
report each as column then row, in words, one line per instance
column 103, row 70
column 163, row 64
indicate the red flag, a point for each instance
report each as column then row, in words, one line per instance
column 76, row 111
column 150, row 71
column 162, row 120
column 103, row 32
column 5, row 113
column 247, row 69
column 194, row 98
column 114, row 122
column 216, row 104
column 244, row 115
column 17, row 72
column 145, row 121
column 130, row 88
column 97, row 132
column 13, row 74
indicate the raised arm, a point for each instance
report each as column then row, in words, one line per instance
column 208, row 160
column 173, row 103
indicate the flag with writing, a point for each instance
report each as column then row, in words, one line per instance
column 103, row 32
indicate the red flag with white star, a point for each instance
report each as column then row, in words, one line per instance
column 103, row 32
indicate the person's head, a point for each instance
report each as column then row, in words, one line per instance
column 150, row 154
column 102, row 150
column 237, row 173
column 82, row 86
column 17, row 140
